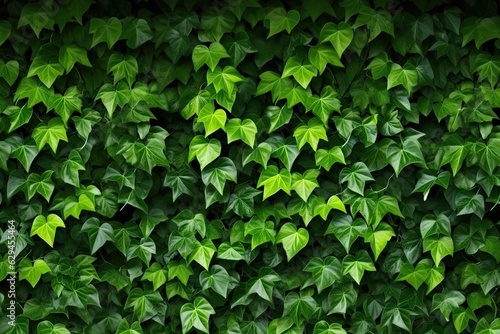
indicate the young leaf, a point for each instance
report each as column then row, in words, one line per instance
column 311, row 133
column 218, row 172
column 45, row 227
column 209, row 56
column 105, row 31
column 212, row 119
column 203, row 253
column 274, row 180
column 303, row 72
column 280, row 20
column 204, row 150
column 339, row 35
column 379, row 237
column 262, row 231
column 70, row 54
column 155, row 274
column 197, row 315
column 324, row 272
column 32, row 272
column 293, row 240
column 45, row 71
column 304, row 184
column 98, row 233
column 224, row 79
column 65, row 105
column 357, row 265
column 261, row 155
column 245, row 130
column 326, row 158
column 356, row 176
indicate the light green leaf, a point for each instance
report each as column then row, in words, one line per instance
column 197, row 315
column 326, row 158
column 212, row 119
column 339, row 35
column 224, row 79
column 46, row 327
column 112, row 96
column 280, row 20
column 45, row 227
column 18, row 116
column 322, row 55
column 379, row 237
column 123, row 67
column 439, row 247
column 304, row 184
column 68, row 169
column 218, row 172
column 274, row 180
column 156, row 275
column 245, row 130
column 70, row 54
column 357, row 265
column 41, row 184
column 262, row 231
column 65, row 105
column 203, row 150
column 33, row 90
column 435, row 225
column 293, row 240
column 208, row 55
column 32, row 272
column 406, row 76
column 181, row 270
column 203, row 253
column 311, row 133
column 303, row 72
column 46, row 71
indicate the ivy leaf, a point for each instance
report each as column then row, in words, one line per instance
column 182, row 181
column 415, row 276
column 262, row 231
column 357, row 265
column 284, row 149
column 33, row 90
column 408, row 153
column 197, row 315
column 208, row 55
column 36, row 17
column 9, row 70
column 45, row 71
column 322, row 55
column 356, row 177
column 261, row 154
column 376, row 21
column 136, row 33
column 435, row 225
column 454, row 152
column 32, row 272
column 68, row 169
column 203, row 252
column 323, row 106
column 25, row 153
column 85, row 123
column 144, row 302
column 311, row 133
column 436, row 276
column 323, row 208
column 143, row 249
column 98, row 233
column 45, row 227
column 322, row 327
column 304, row 184
column 326, row 158
column 299, row 305
column 447, row 301
column 123, row 67
column 181, row 270
column 426, row 181
column 41, row 184
column 461, row 318
column 244, row 130
column 46, row 327
column 346, row 230
column 234, row 252
column 293, row 240
column 73, row 206
column 203, row 150
column 341, row 297
column 105, row 31
column 218, row 172
column 339, row 35
column 112, row 96
column 5, row 30
column 18, row 116
column 379, row 237
column 70, row 54
column 272, row 82
column 280, row 20
column 439, row 247
column 380, row 66
column 274, row 180
column 467, row 204
column 406, row 76
column 65, row 105
column 155, row 274
column 303, row 72
column 278, row 116
column 324, row 272
column 224, row 79
column 218, row 279
column 212, row 119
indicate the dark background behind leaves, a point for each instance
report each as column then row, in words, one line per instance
column 251, row 167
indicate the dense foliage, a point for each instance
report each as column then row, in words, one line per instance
column 251, row 167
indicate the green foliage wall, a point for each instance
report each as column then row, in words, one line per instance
column 250, row 167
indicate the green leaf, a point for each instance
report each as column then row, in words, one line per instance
column 203, row 150
column 346, row 230
column 37, row 17
column 197, row 315
column 68, row 169
column 203, row 252
column 45, row 71
column 303, row 72
column 322, row 55
column 467, row 204
column 234, row 252
column 379, row 237
column 447, row 301
column 435, row 225
column 32, row 272
column 137, row 33
column 278, row 116
column 18, row 116
column 208, row 55
column 311, row 133
column 144, row 303
column 70, row 54
column 324, row 272
column 25, row 154
column 454, row 152
column 380, row 66
column 45, row 227
column 156, row 275
column 304, row 184
column 427, row 180
column 212, row 119
column 340, row 298
column 9, row 70
column 439, row 247
column 143, row 249
column 182, row 181
column 181, row 270
column 245, row 130
column 65, row 105
column 224, row 79
column 323, row 106
column 98, row 233
column 376, row 21
column 406, row 76
column 274, row 180
column 46, row 327
column 297, row 306
column 284, row 149
column 435, row 277
column 41, row 184
column 356, row 177
column 408, row 153
column 123, row 67
column 339, row 35
column 461, row 318
column 415, row 276
column 112, row 96
column 280, row 19
column 262, row 231
column 73, row 206
column 293, row 240
column 218, row 172
column 276, row 84
column 5, row 30
column 357, row 265
column 322, row 327
column 217, row 279
column 33, row 90
column 261, row 155
column 326, row 158
column 105, row 31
